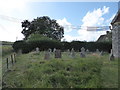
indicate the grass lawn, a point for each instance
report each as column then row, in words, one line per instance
column 32, row 71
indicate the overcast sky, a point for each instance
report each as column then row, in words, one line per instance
column 73, row 16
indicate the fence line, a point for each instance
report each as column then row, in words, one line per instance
column 10, row 61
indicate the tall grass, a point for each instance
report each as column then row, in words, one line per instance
column 32, row 71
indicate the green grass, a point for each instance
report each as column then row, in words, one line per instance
column 32, row 71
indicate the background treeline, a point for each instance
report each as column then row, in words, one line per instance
column 27, row 46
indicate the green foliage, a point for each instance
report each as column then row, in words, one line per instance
column 92, row 46
column 36, row 37
column 44, row 26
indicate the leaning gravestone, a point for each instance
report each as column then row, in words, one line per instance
column 57, row 53
column 101, row 53
column 111, row 57
column 47, row 55
column 72, row 53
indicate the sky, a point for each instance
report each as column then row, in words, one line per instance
column 75, row 17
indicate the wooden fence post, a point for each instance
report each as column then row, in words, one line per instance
column 12, row 59
column 7, row 63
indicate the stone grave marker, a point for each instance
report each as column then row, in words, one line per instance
column 72, row 53
column 68, row 51
column 47, row 55
column 54, row 50
column 101, row 53
column 37, row 50
column 111, row 57
column 82, row 53
column 87, row 51
column 19, row 51
column 58, row 53
column 97, row 51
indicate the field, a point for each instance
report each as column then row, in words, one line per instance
column 32, row 71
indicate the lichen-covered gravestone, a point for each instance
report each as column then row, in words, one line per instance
column 47, row 55
column 58, row 53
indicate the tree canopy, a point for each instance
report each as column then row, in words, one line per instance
column 44, row 26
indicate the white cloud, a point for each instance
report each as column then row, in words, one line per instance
column 10, row 25
column 67, row 26
column 94, row 18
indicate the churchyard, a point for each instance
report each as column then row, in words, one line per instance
column 56, row 69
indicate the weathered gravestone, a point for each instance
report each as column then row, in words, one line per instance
column 111, row 57
column 87, row 51
column 72, row 52
column 57, row 53
column 101, row 53
column 97, row 51
column 19, row 51
column 68, row 51
column 47, row 55
column 54, row 50
column 37, row 50
column 82, row 53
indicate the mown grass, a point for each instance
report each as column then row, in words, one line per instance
column 32, row 71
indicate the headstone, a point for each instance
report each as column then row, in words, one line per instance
column 68, row 51
column 97, row 51
column 111, row 57
column 37, row 50
column 54, row 50
column 47, row 55
column 72, row 52
column 19, row 51
column 82, row 53
column 50, row 50
column 101, row 53
column 57, row 53
column 87, row 51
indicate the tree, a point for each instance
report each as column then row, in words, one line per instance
column 44, row 26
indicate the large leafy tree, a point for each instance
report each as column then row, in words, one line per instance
column 44, row 26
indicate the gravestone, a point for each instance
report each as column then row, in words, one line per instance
column 50, row 50
column 82, row 53
column 87, row 51
column 54, row 50
column 57, row 53
column 68, row 51
column 101, row 53
column 19, row 51
column 97, row 51
column 111, row 57
column 47, row 55
column 37, row 50
column 72, row 52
